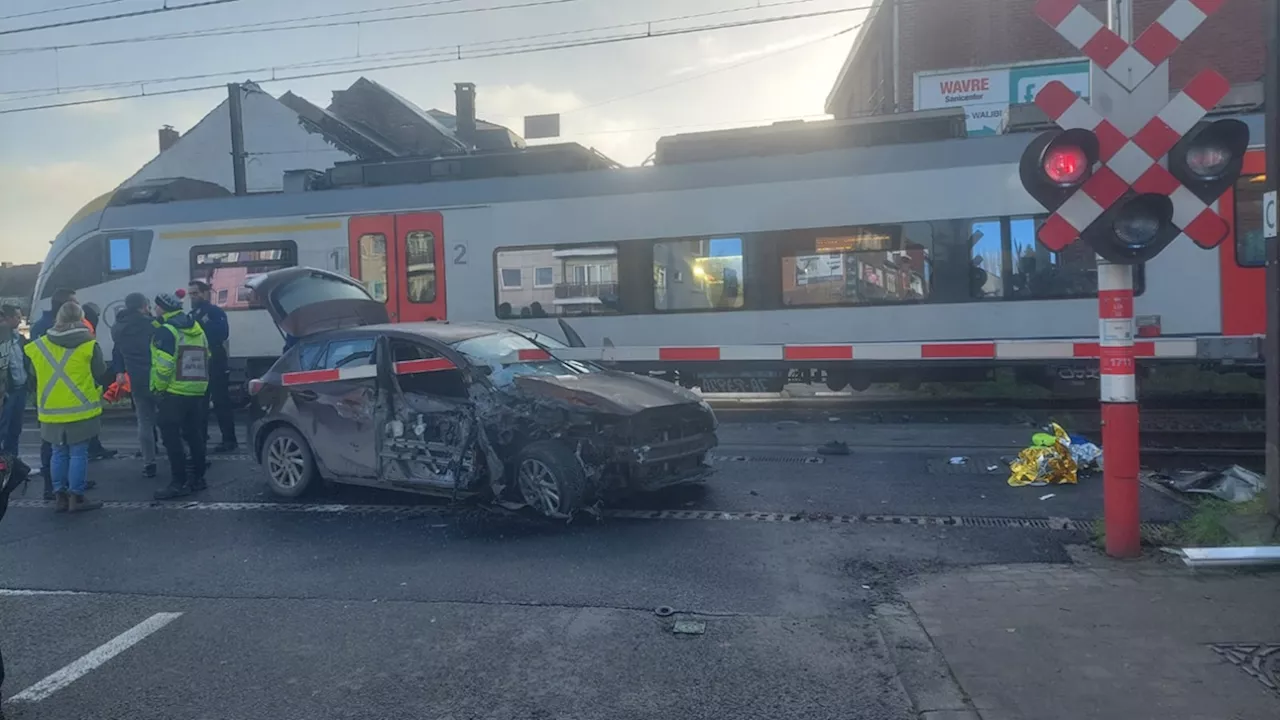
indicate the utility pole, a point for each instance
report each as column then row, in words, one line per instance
column 1271, row 349
column 236, row 110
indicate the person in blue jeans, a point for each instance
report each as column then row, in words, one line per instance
column 70, row 369
column 17, row 376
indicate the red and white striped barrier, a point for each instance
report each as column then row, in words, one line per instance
column 1127, row 64
column 1160, row 348
column 405, row 367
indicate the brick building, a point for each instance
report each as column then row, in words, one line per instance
column 903, row 37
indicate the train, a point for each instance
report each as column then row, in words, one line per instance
column 846, row 252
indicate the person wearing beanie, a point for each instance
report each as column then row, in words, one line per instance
column 179, row 380
column 131, row 355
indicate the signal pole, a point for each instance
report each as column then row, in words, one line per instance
column 1271, row 349
column 1116, row 363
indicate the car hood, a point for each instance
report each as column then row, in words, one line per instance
column 615, row 393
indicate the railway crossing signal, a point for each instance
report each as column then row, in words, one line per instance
column 1129, row 193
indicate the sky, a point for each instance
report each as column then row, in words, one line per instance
column 618, row 98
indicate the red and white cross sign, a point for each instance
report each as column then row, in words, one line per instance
column 1134, row 162
column 1127, row 64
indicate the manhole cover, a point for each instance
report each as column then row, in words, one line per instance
column 1260, row 660
column 971, row 466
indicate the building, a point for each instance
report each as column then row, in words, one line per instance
column 988, row 54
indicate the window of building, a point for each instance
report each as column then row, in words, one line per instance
column 349, row 353
column 858, row 265
column 567, row 281
column 229, row 267
column 222, row 297
column 420, row 266
column 373, row 264
column 1251, row 247
column 715, row 261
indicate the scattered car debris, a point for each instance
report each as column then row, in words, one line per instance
column 1233, row 484
column 958, row 460
column 664, row 611
column 1198, row 558
column 1046, row 497
column 689, row 627
column 993, row 468
column 835, row 447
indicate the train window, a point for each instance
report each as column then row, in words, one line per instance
column 420, row 268
column 1038, row 273
column 98, row 259
column 858, row 265
column 373, row 264
column 227, row 267
column 987, row 259
column 566, row 281
column 1251, row 249
column 119, row 254
column 716, row 265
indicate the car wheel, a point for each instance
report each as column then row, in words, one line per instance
column 550, row 478
column 290, row 466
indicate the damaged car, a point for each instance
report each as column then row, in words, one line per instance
column 461, row 411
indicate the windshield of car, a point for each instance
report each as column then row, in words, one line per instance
column 489, row 351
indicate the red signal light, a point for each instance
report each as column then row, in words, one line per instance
column 1066, row 164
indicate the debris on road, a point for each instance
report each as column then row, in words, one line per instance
column 664, row 611
column 835, row 447
column 1233, row 484
column 1046, row 497
column 689, row 627
column 1231, row 556
column 1046, row 462
column 958, row 460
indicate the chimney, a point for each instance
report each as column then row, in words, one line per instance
column 168, row 136
column 465, row 93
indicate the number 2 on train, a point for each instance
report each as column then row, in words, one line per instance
column 400, row 260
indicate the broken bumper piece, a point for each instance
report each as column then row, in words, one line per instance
column 676, row 462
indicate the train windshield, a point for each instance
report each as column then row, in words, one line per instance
column 490, row 351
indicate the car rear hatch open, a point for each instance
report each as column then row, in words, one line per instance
column 304, row 301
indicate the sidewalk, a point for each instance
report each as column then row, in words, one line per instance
column 1103, row 639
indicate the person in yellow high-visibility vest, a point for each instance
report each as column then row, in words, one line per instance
column 179, row 380
column 69, row 367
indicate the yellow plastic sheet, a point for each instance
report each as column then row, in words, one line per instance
column 1045, row 464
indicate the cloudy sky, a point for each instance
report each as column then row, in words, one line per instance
column 617, row 97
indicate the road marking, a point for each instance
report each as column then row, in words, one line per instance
column 37, row 593
column 95, row 658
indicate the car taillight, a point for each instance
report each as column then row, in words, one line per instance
column 255, row 386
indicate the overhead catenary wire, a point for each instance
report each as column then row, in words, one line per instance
column 268, row 26
column 64, row 8
column 166, row 8
column 501, row 52
column 429, row 52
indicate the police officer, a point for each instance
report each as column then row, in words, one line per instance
column 213, row 320
column 179, row 381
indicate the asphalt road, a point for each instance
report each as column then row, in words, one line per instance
column 241, row 606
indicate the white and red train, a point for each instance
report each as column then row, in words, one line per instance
column 737, row 258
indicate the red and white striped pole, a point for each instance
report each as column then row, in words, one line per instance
column 1119, row 409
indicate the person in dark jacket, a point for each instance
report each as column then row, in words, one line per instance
column 213, row 320
column 13, row 472
column 131, row 354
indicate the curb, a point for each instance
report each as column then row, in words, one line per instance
column 922, row 670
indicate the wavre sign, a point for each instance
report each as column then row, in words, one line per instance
column 970, row 88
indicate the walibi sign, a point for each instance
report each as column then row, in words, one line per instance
column 987, row 93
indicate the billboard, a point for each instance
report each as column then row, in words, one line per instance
column 987, row 93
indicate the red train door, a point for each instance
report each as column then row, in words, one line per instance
column 400, row 260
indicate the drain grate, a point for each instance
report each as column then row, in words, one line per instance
column 793, row 459
column 1260, row 660
column 1054, row 524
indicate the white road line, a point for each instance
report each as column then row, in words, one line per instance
column 36, row 593
column 94, row 659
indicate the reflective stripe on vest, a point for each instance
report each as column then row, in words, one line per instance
column 68, row 392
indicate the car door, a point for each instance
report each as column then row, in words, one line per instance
column 428, row 423
column 336, row 410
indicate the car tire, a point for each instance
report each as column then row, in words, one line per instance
column 290, row 465
column 550, row 478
